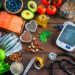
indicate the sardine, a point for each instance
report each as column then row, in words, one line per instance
column 4, row 38
column 8, row 41
column 11, row 45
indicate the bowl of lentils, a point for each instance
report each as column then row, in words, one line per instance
column 13, row 6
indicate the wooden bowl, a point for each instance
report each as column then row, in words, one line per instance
column 13, row 12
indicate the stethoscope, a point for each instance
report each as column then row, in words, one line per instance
column 52, row 56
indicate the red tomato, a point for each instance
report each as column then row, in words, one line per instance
column 46, row 2
column 51, row 10
column 41, row 9
column 57, row 3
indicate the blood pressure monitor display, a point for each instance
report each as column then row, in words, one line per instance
column 68, row 35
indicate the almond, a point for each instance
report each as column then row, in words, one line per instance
column 32, row 44
column 31, row 49
column 36, row 51
column 35, row 42
column 41, row 48
column 36, row 47
column 27, row 49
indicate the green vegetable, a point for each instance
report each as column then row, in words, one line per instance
column 47, row 33
column 0, row 5
column 43, row 37
column 1, row 68
column 4, row 67
column 2, row 55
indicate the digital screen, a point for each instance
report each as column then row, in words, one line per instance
column 68, row 35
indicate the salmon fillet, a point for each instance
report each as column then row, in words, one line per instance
column 10, row 22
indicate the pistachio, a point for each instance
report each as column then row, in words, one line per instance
column 32, row 44
column 33, row 50
column 34, row 38
column 37, row 49
column 29, row 46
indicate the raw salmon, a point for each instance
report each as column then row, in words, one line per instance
column 11, row 22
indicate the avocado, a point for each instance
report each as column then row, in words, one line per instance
column 32, row 6
column 26, row 14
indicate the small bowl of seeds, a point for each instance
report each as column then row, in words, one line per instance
column 13, row 6
column 26, row 36
column 31, row 26
column 16, row 68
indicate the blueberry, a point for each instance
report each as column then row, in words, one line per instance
column 19, row 3
column 59, row 28
column 55, row 26
column 9, row 0
column 14, row 1
column 58, row 25
column 11, row 10
column 8, row 7
column 13, row 5
column 62, row 26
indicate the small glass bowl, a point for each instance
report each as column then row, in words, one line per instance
column 14, row 64
column 26, row 41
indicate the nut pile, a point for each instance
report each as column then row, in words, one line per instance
column 34, row 46
column 70, row 6
column 15, row 57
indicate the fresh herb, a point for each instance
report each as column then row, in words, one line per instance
column 43, row 37
column 47, row 33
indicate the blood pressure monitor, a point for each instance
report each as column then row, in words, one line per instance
column 66, row 38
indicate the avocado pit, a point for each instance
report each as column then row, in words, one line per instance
column 32, row 5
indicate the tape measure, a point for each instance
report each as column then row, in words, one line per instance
column 38, row 64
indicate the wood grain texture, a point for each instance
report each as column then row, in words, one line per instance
column 50, row 46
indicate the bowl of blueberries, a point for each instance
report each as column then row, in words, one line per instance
column 13, row 6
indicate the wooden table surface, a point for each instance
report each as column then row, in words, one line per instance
column 50, row 46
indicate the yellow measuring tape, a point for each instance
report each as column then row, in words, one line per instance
column 40, row 60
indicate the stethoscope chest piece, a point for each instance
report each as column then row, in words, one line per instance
column 52, row 56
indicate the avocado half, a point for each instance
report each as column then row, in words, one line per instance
column 32, row 6
column 26, row 14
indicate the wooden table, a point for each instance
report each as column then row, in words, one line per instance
column 50, row 46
